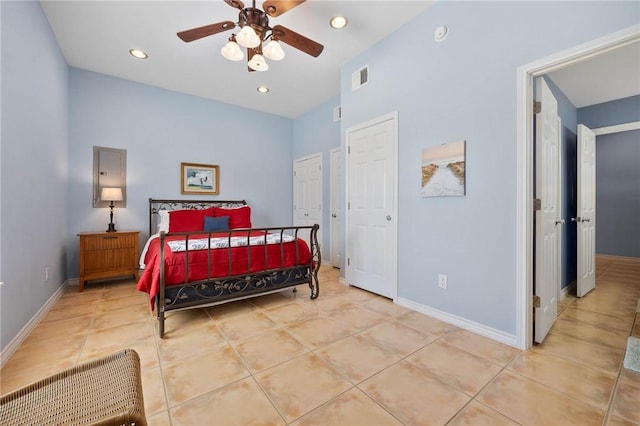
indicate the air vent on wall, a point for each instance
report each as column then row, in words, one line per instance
column 360, row 78
column 337, row 113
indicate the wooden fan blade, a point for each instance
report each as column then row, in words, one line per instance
column 207, row 30
column 278, row 7
column 298, row 41
column 235, row 4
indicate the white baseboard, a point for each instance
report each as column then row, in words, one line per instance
column 15, row 343
column 472, row 326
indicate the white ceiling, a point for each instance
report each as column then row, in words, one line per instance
column 609, row 76
column 97, row 36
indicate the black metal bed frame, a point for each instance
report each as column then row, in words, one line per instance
column 218, row 290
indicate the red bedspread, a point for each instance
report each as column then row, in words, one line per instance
column 200, row 267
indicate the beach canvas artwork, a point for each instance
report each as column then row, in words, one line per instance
column 443, row 170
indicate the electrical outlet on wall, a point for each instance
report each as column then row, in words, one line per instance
column 442, row 281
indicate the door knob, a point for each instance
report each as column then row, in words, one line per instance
column 560, row 222
column 575, row 219
column 334, row 215
column 585, row 219
column 388, row 217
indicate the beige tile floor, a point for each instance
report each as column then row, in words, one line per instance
column 349, row 358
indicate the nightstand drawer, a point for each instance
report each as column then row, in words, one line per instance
column 109, row 260
column 108, row 242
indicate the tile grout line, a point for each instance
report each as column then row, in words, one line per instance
column 156, row 344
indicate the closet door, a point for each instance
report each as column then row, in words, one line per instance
column 307, row 192
column 337, row 199
column 372, row 206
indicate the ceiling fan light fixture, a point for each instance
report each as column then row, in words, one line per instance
column 273, row 51
column 257, row 63
column 232, row 51
column 248, row 38
column 338, row 22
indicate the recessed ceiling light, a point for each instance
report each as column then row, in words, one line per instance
column 263, row 89
column 338, row 22
column 138, row 53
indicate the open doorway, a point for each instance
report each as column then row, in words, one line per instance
column 526, row 157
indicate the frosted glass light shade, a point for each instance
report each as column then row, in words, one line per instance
column 273, row 51
column 232, row 51
column 247, row 37
column 111, row 194
column 257, row 63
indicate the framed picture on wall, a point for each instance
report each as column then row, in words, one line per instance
column 443, row 170
column 199, row 179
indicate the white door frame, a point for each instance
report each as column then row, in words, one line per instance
column 524, row 164
column 391, row 116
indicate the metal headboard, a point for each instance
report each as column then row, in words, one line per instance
column 157, row 205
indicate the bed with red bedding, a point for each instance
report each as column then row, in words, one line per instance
column 203, row 253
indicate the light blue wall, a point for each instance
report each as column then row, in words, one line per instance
column 160, row 129
column 316, row 132
column 617, row 177
column 465, row 88
column 618, row 194
column 34, row 165
column 620, row 111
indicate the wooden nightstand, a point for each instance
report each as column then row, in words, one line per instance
column 108, row 254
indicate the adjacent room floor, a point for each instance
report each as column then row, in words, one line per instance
column 349, row 358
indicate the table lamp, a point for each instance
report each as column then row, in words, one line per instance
column 111, row 194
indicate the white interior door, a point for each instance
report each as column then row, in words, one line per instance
column 586, row 220
column 371, row 207
column 547, row 270
column 300, row 193
column 307, row 195
column 337, row 196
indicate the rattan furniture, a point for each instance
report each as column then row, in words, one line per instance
column 107, row 391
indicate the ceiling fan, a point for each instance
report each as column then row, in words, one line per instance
column 254, row 30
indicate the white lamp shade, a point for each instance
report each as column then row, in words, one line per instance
column 232, row 51
column 247, row 37
column 257, row 63
column 273, row 51
column 111, row 194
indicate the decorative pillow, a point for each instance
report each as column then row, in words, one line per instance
column 238, row 218
column 188, row 220
column 163, row 225
column 220, row 223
